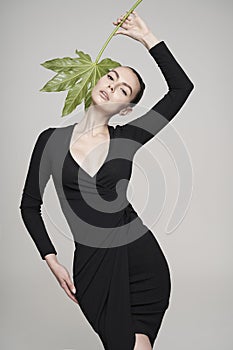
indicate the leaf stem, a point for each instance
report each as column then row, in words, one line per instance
column 113, row 32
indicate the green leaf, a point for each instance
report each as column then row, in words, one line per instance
column 61, row 64
column 102, row 68
column 81, row 89
column 87, row 100
column 76, row 94
column 65, row 79
column 80, row 74
column 84, row 57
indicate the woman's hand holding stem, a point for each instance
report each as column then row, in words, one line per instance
column 137, row 29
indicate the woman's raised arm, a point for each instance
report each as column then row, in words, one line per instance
column 179, row 85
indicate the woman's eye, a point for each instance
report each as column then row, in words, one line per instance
column 124, row 92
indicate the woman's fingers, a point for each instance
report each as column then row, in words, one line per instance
column 124, row 25
column 63, row 277
column 121, row 17
column 66, row 288
column 127, row 20
column 124, row 31
column 71, row 285
column 132, row 15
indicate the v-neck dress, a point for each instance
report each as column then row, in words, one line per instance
column 120, row 272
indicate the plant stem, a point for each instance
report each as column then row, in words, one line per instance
column 111, row 35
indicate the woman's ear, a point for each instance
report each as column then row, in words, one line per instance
column 126, row 110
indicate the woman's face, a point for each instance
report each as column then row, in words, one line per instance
column 114, row 91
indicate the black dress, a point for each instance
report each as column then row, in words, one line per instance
column 120, row 273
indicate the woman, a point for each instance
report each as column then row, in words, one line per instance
column 121, row 278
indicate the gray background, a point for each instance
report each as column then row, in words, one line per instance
column 35, row 312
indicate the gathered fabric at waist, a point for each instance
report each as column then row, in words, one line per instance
column 103, row 229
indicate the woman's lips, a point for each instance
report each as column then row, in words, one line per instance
column 104, row 96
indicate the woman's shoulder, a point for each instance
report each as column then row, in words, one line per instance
column 46, row 133
column 48, row 136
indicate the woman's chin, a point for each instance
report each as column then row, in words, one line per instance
column 105, row 105
column 98, row 100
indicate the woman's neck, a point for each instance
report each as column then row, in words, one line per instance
column 94, row 122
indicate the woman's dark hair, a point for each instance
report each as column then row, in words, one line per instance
column 138, row 97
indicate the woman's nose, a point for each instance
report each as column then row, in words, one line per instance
column 111, row 87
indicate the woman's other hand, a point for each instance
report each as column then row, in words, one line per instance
column 137, row 29
column 133, row 26
column 62, row 275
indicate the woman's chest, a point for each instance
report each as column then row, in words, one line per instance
column 103, row 165
column 90, row 153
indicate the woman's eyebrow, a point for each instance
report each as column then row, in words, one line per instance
column 113, row 70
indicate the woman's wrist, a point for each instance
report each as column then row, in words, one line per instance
column 149, row 40
column 51, row 258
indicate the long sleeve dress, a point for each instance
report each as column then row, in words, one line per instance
column 120, row 273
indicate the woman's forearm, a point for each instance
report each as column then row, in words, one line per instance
column 149, row 40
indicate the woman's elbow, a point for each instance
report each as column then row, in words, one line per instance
column 190, row 86
column 186, row 91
